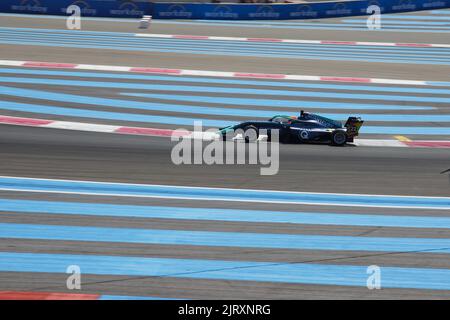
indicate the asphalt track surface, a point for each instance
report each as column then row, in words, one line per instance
column 203, row 249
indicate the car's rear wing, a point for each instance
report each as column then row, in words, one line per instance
column 353, row 125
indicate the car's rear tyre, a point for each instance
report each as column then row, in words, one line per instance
column 338, row 138
column 251, row 134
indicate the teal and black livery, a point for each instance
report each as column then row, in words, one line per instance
column 306, row 128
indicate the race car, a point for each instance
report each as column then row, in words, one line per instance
column 306, row 128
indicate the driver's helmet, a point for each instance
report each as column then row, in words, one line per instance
column 303, row 114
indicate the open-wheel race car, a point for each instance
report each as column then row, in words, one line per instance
column 306, row 128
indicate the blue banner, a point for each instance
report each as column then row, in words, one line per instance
column 90, row 8
column 288, row 11
column 138, row 8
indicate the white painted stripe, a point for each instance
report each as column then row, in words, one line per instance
column 202, row 135
column 67, row 125
column 401, row 82
column 218, row 188
column 226, row 38
column 12, row 63
column 278, row 40
column 207, row 73
column 153, row 35
column 440, row 45
column 167, row 196
column 228, row 200
column 303, row 78
column 102, row 68
column 302, row 41
column 364, row 43
column 378, row 143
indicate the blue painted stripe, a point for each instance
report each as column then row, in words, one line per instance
column 274, row 47
column 208, row 89
column 85, row 40
column 129, row 104
column 65, row 31
column 223, row 239
column 229, row 46
column 324, row 274
column 119, row 116
column 177, row 108
column 438, row 83
column 360, row 53
column 84, row 113
column 245, row 23
column 306, row 26
column 440, row 12
column 311, row 55
column 259, row 83
column 199, row 193
column 251, row 24
column 244, row 53
column 279, row 103
column 319, row 218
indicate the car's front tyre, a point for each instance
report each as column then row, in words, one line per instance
column 251, row 134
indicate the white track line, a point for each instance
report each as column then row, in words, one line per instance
column 277, row 40
column 207, row 73
column 157, row 132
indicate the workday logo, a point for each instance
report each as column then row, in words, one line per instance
column 264, row 12
column 404, row 5
column 304, row 11
column 222, row 11
column 127, row 8
column 30, row 6
column 85, row 8
column 434, row 4
column 177, row 11
column 338, row 10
